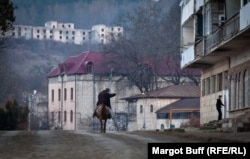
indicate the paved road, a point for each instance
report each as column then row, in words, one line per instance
column 77, row 144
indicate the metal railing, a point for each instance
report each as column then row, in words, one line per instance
column 224, row 32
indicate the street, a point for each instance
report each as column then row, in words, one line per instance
column 79, row 144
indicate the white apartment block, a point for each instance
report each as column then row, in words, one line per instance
column 66, row 33
column 215, row 38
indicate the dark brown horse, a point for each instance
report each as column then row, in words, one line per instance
column 102, row 113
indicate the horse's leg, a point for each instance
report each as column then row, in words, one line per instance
column 105, row 125
column 101, row 125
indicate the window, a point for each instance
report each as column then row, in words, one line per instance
column 207, row 86
column 102, row 30
column 212, row 84
column 50, row 31
column 219, row 82
column 67, row 32
column 73, row 32
column 52, row 95
column 225, row 82
column 38, row 36
column 52, row 117
column 65, row 116
column 71, row 93
column 71, row 116
column 38, row 31
column 141, row 109
column 65, row 94
column 83, row 33
column 60, row 37
column 59, row 116
column 89, row 67
column 245, row 89
column 151, row 108
column 59, row 94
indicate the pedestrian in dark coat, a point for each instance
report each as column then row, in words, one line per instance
column 218, row 107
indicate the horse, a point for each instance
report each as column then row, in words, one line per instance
column 103, row 114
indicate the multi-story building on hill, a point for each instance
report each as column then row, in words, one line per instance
column 215, row 39
column 67, row 33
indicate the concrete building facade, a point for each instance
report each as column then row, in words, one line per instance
column 67, row 33
column 215, row 39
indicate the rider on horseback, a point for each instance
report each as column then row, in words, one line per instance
column 104, row 98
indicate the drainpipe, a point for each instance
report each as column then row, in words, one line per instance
column 75, row 101
column 61, row 115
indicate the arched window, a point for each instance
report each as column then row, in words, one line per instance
column 89, row 67
column 71, row 116
column 238, row 91
column 232, row 93
column 151, row 108
column 245, row 88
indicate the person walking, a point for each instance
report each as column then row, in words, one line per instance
column 218, row 107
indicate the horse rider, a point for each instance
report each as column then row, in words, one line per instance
column 104, row 98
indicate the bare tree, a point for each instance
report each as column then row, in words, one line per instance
column 6, row 16
column 151, row 35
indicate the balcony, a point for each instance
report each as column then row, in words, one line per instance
column 187, row 56
column 222, row 43
column 245, row 17
column 187, row 11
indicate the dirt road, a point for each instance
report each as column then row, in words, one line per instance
column 78, row 144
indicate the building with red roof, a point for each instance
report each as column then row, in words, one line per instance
column 73, row 87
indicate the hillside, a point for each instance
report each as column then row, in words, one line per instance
column 25, row 64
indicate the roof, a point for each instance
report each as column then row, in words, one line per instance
column 187, row 103
column 171, row 91
column 78, row 64
column 102, row 63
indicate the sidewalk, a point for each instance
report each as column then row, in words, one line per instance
column 212, row 135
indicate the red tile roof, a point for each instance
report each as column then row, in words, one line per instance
column 78, row 64
column 102, row 64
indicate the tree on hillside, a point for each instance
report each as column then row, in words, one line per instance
column 6, row 16
column 13, row 116
column 150, row 40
